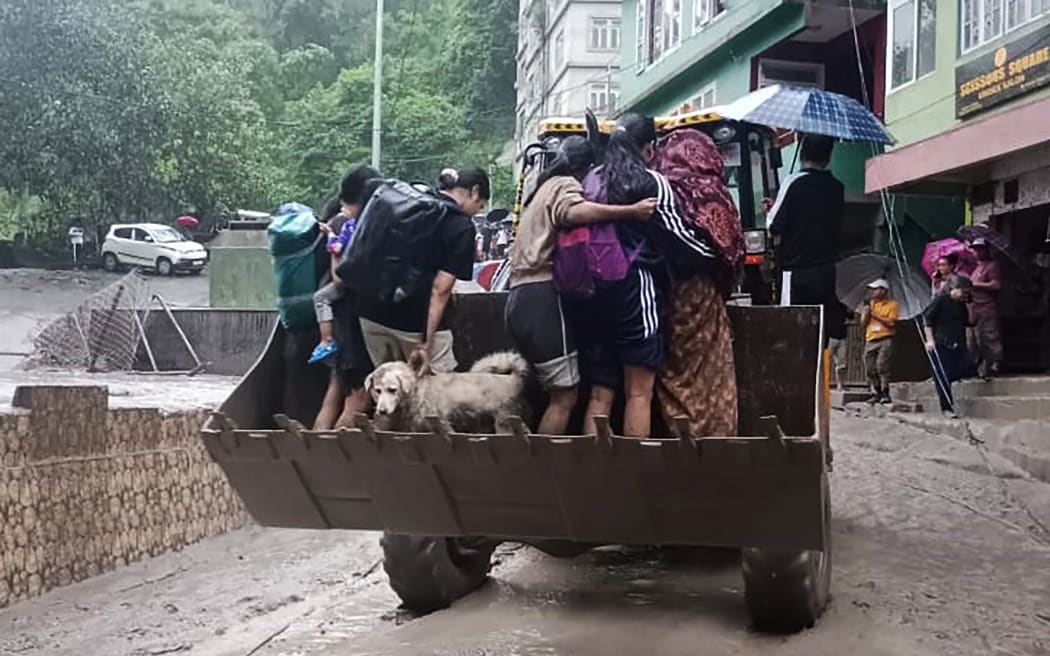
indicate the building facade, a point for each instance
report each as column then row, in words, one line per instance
column 968, row 98
column 568, row 60
column 681, row 55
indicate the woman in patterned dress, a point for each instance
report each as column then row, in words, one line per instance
column 698, row 378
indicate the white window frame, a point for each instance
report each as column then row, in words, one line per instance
column 607, row 91
column 697, row 101
column 608, row 26
column 891, row 7
column 705, row 11
column 816, row 67
column 558, row 51
column 983, row 38
column 659, row 30
column 641, row 27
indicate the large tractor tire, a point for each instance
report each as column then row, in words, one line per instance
column 788, row 590
column 430, row 574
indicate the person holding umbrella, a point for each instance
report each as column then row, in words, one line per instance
column 879, row 318
column 806, row 223
column 985, row 309
column 946, row 319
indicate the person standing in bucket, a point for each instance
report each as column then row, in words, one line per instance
column 535, row 317
column 806, row 224
column 879, row 318
column 410, row 329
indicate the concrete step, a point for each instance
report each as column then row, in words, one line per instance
column 842, row 398
column 1025, row 443
column 1007, row 386
column 999, row 407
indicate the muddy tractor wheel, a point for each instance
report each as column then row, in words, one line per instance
column 788, row 590
column 430, row 574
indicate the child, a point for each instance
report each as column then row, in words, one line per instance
column 339, row 230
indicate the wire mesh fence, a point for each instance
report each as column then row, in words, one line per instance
column 101, row 334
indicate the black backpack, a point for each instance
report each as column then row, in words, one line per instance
column 390, row 256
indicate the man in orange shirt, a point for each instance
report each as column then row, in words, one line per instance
column 879, row 318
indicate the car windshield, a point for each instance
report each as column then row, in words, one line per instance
column 166, row 236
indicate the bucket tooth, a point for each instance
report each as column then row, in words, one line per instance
column 604, row 437
column 771, row 427
column 686, row 442
column 289, row 425
column 521, row 432
column 441, row 429
column 365, row 425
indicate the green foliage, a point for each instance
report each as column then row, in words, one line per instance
column 135, row 109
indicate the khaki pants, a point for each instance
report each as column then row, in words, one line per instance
column 391, row 345
column 878, row 358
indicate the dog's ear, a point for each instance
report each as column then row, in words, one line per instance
column 370, row 383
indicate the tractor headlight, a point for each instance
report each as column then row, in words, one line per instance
column 755, row 241
column 723, row 134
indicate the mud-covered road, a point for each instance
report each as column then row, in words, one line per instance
column 936, row 551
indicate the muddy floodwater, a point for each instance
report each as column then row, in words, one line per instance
column 938, row 549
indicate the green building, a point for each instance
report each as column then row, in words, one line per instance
column 968, row 98
column 680, row 56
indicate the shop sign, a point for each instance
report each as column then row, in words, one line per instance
column 1009, row 71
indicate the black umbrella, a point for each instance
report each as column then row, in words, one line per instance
column 909, row 287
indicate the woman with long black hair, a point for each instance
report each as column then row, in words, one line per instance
column 623, row 327
column 535, row 317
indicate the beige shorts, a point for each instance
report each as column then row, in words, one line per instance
column 390, row 345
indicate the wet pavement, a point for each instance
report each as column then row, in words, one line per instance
column 938, row 549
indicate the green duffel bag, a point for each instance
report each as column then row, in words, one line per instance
column 295, row 244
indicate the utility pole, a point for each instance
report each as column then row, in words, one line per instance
column 377, row 92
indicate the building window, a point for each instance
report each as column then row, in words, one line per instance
column 797, row 74
column 987, row 20
column 641, row 46
column 556, row 108
column 603, row 97
column 665, row 20
column 705, row 99
column 913, row 28
column 604, row 34
column 706, row 10
column 558, row 51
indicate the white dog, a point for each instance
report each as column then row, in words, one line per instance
column 478, row 401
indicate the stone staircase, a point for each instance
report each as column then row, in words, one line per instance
column 1009, row 416
column 1010, row 398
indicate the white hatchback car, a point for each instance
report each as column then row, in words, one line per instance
column 151, row 246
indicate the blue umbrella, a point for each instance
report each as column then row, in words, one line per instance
column 810, row 111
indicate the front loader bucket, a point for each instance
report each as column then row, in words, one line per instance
column 763, row 489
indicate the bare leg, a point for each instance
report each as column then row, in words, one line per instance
column 355, row 403
column 638, row 388
column 556, row 419
column 600, row 405
column 331, row 405
column 326, row 331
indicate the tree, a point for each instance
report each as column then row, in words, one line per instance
column 79, row 104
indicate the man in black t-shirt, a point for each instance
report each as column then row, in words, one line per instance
column 806, row 224
column 393, row 331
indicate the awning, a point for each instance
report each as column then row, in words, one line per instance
column 959, row 156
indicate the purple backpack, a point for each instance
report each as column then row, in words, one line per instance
column 589, row 253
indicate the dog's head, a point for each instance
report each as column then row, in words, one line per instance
column 389, row 386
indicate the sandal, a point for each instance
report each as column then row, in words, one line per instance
column 323, row 351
